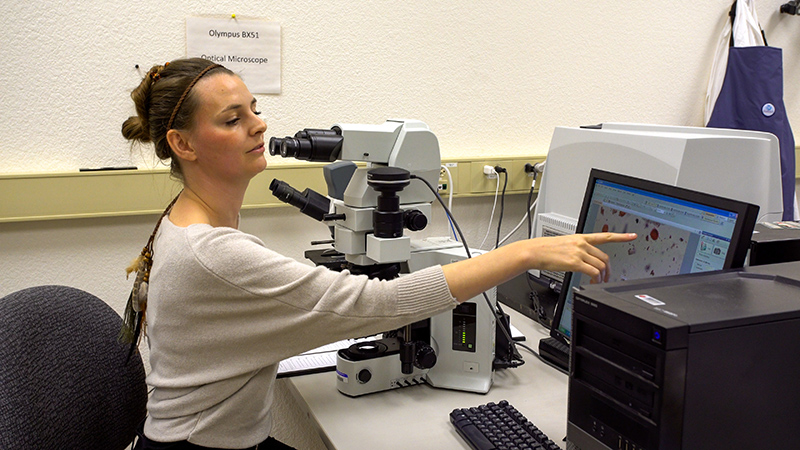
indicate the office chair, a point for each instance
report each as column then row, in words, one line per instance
column 64, row 378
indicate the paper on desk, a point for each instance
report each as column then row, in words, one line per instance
column 320, row 359
column 304, row 364
column 516, row 334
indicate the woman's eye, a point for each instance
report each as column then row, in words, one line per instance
column 232, row 121
column 258, row 113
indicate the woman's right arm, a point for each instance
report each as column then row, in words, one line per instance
column 572, row 253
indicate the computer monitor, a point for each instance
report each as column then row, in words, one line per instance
column 738, row 164
column 679, row 231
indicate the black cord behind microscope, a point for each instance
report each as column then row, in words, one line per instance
column 499, row 170
column 515, row 358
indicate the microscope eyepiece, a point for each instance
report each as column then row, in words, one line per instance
column 309, row 202
column 309, row 144
column 275, row 145
column 290, row 148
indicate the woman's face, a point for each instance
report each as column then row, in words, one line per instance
column 227, row 135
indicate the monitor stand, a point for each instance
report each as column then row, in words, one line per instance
column 555, row 352
column 519, row 292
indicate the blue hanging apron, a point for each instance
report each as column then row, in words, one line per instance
column 751, row 98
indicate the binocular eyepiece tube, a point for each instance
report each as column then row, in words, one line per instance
column 309, row 144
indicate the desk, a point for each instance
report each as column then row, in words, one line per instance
column 418, row 417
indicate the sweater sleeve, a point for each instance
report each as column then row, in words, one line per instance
column 231, row 300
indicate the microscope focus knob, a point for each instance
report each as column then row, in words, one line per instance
column 363, row 376
column 425, row 358
column 415, row 220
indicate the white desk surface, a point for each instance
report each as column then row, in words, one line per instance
column 418, row 417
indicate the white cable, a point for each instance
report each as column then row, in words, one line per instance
column 450, row 193
column 525, row 216
column 450, row 199
column 539, row 167
column 491, row 217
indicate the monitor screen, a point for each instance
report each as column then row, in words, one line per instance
column 679, row 231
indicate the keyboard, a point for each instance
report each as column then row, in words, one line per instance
column 499, row 426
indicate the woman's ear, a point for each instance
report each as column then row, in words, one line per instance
column 180, row 145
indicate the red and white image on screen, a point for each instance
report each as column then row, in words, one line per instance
column 657, row 251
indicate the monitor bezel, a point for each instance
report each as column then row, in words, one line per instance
column 740, row 238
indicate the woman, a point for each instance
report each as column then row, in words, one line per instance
column 223, row 310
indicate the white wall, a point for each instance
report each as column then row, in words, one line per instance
column 487, row 77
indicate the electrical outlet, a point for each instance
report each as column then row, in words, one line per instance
column 445, row 183
column 480, row 182
column 469, row 178
column 518, row 179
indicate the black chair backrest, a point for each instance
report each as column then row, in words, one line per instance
column 64, row 378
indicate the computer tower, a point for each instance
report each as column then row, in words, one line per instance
column 775, row 243
column 698, row 361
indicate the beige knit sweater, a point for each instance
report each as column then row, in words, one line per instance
column 224, row 310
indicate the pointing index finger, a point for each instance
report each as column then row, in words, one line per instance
column 603, row 238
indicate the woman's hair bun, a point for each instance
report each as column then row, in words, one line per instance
column 135, row 128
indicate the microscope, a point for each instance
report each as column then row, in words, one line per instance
column 367, row 209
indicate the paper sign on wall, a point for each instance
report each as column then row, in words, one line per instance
column 250, row 48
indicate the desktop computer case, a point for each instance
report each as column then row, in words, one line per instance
column 705, row 361
column 773, row 243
